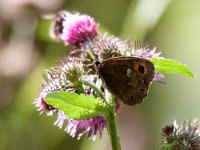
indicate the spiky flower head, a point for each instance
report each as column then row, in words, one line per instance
column 66, row 76
column 142, row 50
column 59, row 79
column 183, row 136
column 73, row 70
column 73, row 28
column 108, row 46
column 92, row 126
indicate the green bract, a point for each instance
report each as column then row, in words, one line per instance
column 171, row 66
column 76, row 106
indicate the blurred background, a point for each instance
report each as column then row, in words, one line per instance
column 26, row 50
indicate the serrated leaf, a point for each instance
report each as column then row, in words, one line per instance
column 171, row 66
column 76, row 106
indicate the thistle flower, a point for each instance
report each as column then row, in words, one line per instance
column 145, row 51
column 42, row 106
column 185, row 136
column 66, row 76
column 73, row 70
column 158, row 77
column 74, row 29
column 56, row 79
column 108, row 46
column 92, row 126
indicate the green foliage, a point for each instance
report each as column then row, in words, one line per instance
column 171, row 66
column 76, row 106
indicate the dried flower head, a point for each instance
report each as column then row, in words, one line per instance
column 183, row 136
column 74, row 29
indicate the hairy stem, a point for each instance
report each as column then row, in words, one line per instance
column 110, row 115
column 112, row 126
column 97, row 90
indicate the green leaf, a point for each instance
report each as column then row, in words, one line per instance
column 171, row 66
column 76, row 106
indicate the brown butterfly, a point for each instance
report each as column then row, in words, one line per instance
column 127, row 78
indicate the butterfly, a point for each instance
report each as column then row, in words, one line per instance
column 127, row 78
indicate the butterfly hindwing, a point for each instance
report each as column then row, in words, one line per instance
column 127, row 78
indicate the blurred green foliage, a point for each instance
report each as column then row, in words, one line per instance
column 171, row 26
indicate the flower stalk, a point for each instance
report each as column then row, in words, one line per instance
column 112, row 126
column 96, row 89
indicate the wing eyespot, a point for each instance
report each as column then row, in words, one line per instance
column 141, row 69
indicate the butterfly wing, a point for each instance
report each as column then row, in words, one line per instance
column 128, row 78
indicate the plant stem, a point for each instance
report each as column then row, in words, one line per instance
column 112, row 126
column 110, row 115
column 97, row 90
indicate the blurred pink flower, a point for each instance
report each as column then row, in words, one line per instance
column 74, row 29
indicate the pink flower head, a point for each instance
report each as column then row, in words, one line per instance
column 64, row 77
column 74, row 29
column 108, row 46
column 42, row 106
column 158, row 77
column 92, row 126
